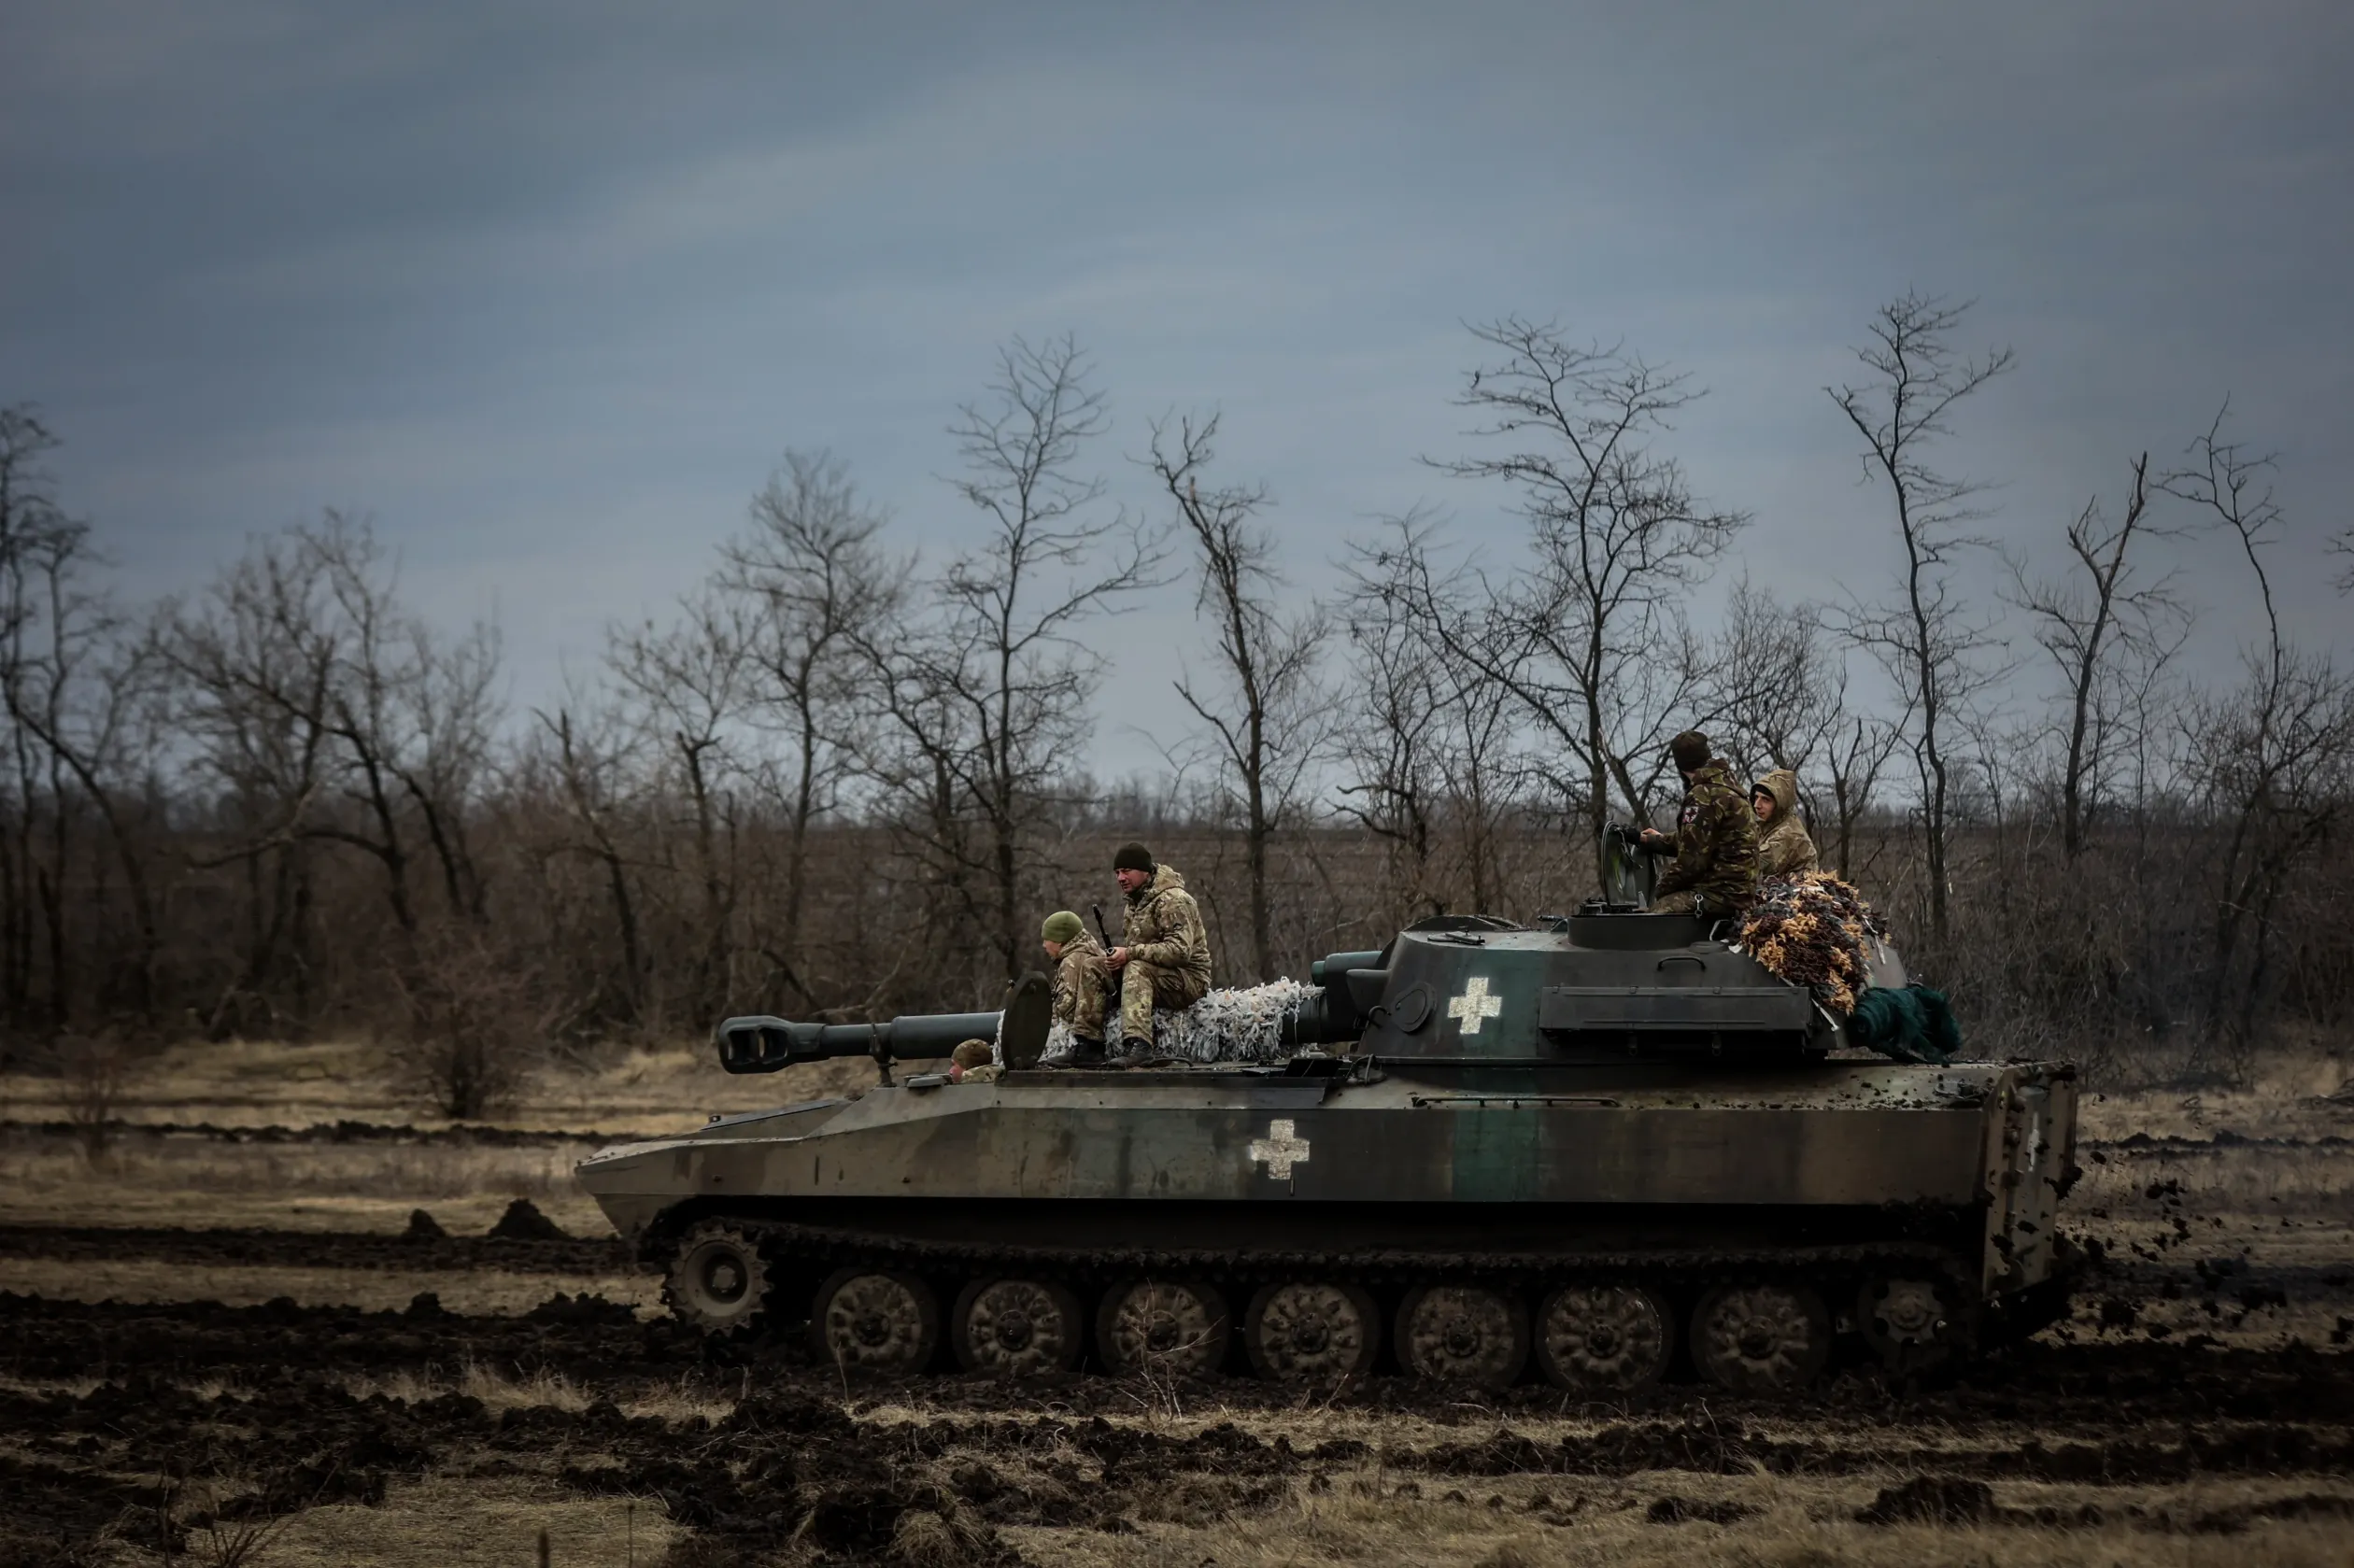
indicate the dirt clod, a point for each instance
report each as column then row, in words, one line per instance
column 1930, row 1499
column 423, row 1227
column 1685, row 1510
column 523, row 1222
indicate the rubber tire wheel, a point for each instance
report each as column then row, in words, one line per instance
column 703, row 1292
column 1735, row 1342
column 1637, row 1358
column 1200, row 1353
column 900, row 1352
column 1044, row 1354
column 1495, row 1364
column 1278, row 1363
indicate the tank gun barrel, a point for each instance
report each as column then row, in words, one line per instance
column 764, row 1044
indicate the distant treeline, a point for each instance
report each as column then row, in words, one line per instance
column 841, row 781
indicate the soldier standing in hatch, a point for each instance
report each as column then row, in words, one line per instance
column 1080, row 980
column 1163, row 959
column 1715, row 844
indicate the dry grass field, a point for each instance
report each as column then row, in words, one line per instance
column 216, row 1352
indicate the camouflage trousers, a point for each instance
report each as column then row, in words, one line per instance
column 1145, row 986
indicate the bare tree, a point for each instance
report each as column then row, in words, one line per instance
column 35, row 538
column 254, row 679
column 1855, row 754
column 79, row 686
column 331, row 715
column 2109, row 634
column 1433, row 770
column 810, row 562
column 1780, row 685
column 1925, row 642
column 690, row 690
column 588, row 765
column 2271, row 752
column 1595, row 643
column 1266, row 726
column 987, row 690
column 1392, row 772
column 473, row 1022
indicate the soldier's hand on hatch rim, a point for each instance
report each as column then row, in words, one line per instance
column 1117, row 958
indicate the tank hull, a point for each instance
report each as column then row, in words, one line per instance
column 1829, row 1171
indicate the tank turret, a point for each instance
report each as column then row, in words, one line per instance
column 1475, row 991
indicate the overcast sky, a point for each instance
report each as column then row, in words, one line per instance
column 547, row 289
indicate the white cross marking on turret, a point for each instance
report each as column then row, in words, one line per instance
column 1474, row 1005
column 1279, row 1151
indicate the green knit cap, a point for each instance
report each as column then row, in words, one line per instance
column 1062, row 926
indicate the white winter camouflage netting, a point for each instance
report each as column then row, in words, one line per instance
column 1240, row 1024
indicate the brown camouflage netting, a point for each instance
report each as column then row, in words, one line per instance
column 1810, row 929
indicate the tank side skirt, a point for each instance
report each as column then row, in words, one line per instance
column 819, row 1249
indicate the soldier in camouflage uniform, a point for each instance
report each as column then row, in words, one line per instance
column 1784, row 847
column 1163, row 959
column 1081, row 983
column 1715, row 845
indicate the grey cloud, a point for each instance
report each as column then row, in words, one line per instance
column 546, row 288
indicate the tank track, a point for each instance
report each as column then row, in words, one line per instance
column 1836, row 1273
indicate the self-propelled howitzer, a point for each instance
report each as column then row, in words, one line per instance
column 1611, row 1144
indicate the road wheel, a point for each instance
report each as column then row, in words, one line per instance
column 1175, row 1330
column 1603, row 1338
column 1462, row 1333
column 880, row 1321
column 1910, row 1322
column 1016, row 1327
column 717, row 1281
column 1761, row 1338
column 1311, row 1333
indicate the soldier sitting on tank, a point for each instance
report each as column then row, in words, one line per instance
column 1163, row 959
column 1715, row 842
column 1081, row 982
column 1784, row 849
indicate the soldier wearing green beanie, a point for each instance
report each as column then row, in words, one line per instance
column 1080, row 982
column 1163, row 959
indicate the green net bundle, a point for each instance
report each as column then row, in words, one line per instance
column 1810, row 929
column 1911, row 1023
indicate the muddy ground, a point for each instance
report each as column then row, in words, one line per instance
column 270, row 1368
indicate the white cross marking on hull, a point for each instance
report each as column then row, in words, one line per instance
column 1279, row 1151
column 1474, row 1005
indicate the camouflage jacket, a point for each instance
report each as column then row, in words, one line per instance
column 1081, row 983
column 1162, row 927
column 1716, row 842
column 1783, row 847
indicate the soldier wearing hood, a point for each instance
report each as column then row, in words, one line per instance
column 1163, row 959
column 1784, row 847
column 1715, row 844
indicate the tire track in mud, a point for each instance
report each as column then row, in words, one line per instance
column 2090, row 1387
column 356, row 1249
column 463, row 1135
column 791, row 1461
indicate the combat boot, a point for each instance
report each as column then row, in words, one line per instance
column 1084, row 1052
